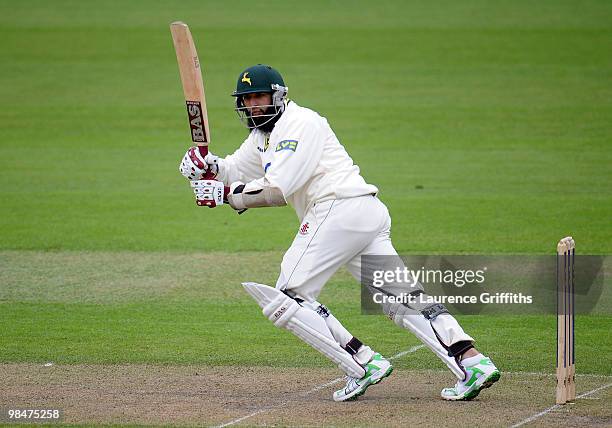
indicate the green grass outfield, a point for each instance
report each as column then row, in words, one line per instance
column 487, row 128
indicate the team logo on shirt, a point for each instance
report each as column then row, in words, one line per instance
column 287, row 145
column 304, row 229
column 266, row 145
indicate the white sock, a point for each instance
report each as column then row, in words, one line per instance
column 467, row 362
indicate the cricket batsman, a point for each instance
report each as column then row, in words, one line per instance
column 292, row 156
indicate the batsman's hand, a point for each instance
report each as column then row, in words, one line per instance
column 208, row 193
column 195, row 165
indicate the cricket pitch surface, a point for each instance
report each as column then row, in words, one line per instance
column 262, row 396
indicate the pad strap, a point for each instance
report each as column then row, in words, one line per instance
column 352, row 347
column 431, row 312
column 458, row 349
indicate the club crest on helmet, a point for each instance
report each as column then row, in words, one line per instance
column 261, row 78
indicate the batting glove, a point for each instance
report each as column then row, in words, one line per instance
column 208, row 193
column 197, row 163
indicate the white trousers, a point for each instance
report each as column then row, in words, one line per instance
column 337, row 233
column 333, row 234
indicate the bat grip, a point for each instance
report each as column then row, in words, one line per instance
column 203, row 152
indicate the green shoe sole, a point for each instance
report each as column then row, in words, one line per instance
column 360, row 393
column 493, row 377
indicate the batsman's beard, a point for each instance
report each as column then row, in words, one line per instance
column 266, row 120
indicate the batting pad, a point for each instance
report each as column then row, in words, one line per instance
column 305, row 323
column 422, row 328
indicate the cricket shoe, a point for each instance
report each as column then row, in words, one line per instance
column 376, row 370
column 480, row 375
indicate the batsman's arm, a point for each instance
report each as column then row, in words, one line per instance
column 255, row 194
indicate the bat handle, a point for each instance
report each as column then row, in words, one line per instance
column 203, row 150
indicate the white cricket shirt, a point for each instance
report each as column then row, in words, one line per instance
column 302, row 157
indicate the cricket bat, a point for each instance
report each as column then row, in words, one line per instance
column 193, row 88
